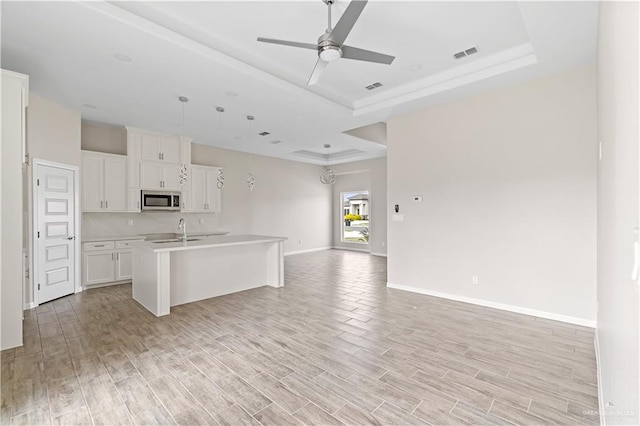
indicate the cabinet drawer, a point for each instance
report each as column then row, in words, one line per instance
column 98, row 245
column 126, row 243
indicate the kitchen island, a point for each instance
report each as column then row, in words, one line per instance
column 167, row 274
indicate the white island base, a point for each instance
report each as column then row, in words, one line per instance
column 171, row 274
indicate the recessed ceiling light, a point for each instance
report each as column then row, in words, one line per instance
column 250, row 117
column 231, row 94
column 220, row 109
column 90, row 106
column 415, row 67
column 265, row 133
column 122, row 57
column 275, row 142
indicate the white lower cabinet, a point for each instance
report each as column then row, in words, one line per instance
column 105, row 262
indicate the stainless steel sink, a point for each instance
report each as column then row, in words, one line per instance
column 175, row 240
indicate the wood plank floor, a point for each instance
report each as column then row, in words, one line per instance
column 333, row 347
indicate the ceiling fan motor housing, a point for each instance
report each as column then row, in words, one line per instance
column 328, row 50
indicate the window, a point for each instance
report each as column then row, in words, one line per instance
column 355, row 223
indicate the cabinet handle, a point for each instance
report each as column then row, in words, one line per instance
column 118, row 256
column 100, row 245
column 111, row 256
column 106, row 204
column 159, row 156
column 101, row 204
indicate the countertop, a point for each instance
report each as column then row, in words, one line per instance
column 208, row 242
column 143, row 236
column 118, row 238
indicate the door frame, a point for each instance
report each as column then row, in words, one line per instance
column 35, row 164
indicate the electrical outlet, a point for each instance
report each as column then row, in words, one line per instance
column 474, row 279
column 130, row 222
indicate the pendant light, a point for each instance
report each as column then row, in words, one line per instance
column 251, row 180
column 220, row 177
column 327, row 177
column 184, row 172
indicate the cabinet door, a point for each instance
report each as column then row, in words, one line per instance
column 92, row 183
column 115, row 184
column 213, row 193
column 134, row 200
column 150, row 147
column 198, row 188
column 98, row 267
column 150, row 175
column 124, row 262
column 170, row 150
column 171, row 177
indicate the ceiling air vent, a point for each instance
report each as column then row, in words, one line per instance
column 373, row 86
column 264, row 133
column 464, row 53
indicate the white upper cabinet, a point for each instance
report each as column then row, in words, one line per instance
column 205, row 195
column 104, row 182
column 154, row 175
column 153, row 162
column 154, row 147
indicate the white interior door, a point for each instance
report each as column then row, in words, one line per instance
column 55, row 232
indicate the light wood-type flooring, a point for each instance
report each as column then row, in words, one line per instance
column 333, row 347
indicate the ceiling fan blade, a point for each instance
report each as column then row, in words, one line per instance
column 347, row 21
column 349, row 52
column 317, row 71
column 289, row 43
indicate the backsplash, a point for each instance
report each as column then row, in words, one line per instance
column 117, row 224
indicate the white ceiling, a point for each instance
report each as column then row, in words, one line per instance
column 203, row 50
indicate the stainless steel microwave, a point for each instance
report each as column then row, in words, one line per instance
column 160, row 201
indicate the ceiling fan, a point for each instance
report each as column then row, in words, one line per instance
column 331, row 47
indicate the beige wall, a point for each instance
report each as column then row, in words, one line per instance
column 287, row 200
column 53, row 131
column 53, row 134
column 509, row 185
column 104, row 138
column 618, row 210
column 370, row 175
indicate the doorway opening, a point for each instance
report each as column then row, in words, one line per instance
column 355, row 207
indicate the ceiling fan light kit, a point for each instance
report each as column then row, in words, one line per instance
column 330, row 46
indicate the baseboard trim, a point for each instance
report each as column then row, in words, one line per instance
column 596, row 344
column 379, row 254
column 29, row 305
column 504, row 307
column 289, row 253
column 351, row 249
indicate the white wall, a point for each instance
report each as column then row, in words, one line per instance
column 53, row 134
column 370, row 175
column 509, row 185
column 618, row 210
column 11, row 219
column 287, row 200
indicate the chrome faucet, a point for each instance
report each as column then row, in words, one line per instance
column 183, row 226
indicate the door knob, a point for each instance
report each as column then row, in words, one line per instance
column 71, row 238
